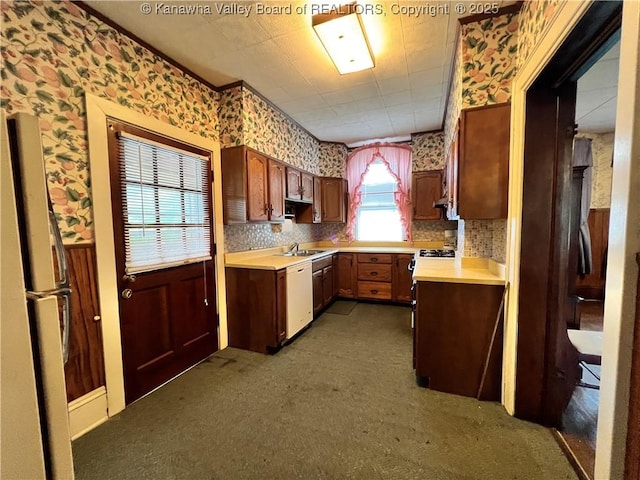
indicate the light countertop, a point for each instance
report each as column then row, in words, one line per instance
column 459, row 270
column 466, row 270
column 272, row 258
column 274, row 261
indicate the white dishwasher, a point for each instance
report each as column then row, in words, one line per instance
column 299, row 298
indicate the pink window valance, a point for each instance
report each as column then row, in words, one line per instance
column 397, row 158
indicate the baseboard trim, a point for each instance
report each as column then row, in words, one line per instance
column 571, row 456
column 87, row 412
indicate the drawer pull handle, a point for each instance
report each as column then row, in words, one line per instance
column 374, row 259
column 374, row 291
column 373, row 274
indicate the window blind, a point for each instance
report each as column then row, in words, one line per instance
column 166, row 205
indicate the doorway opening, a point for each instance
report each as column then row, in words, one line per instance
column 552, row 370
column 593, row 147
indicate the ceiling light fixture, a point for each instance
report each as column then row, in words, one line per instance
column 343, row 36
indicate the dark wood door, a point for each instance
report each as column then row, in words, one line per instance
column 402, row 280
column 276, row 190
column 347, row 275
column 484, row 162
column 293, row 184
column 333, row 208
column 306, row 185
column 327, row 285
column 427, row 189
column 318, row 293
column 257, row 191
column 167, row 315
column 317, row 200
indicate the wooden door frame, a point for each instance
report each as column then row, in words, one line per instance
column 98, row 110
column 545, row 214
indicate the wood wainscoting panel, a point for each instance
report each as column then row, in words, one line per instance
column 84, row 372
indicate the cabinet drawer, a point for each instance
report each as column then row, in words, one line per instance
column 373, row 272
column 321, row 263
column 374, row 258
column 376, row 290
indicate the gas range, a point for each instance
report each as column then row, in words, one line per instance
column 437, row 253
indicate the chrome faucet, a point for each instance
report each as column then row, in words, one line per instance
column 294, row 246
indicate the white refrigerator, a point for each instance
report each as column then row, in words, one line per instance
column 34, row 423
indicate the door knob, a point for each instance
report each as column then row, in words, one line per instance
column 129, row 278
column 127, row 293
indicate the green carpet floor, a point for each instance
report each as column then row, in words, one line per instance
column 340, row 402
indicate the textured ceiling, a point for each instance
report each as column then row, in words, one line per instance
column 597, row 94
column 280, row 56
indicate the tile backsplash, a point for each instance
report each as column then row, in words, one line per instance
column 483, row 238
column 242, row 237
column 431, row 231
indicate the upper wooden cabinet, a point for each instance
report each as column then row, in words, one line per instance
column 299, row 185
column 311, row 213
column 483, row 170
column 427, row 189
column 257, row 187
column 253, row 186
column 276, row 191
column 334, row 199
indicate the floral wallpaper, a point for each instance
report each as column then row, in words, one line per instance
column 247, row 119
column 269, row 131
column 230, row 117
column 535, row 16
column 52, row 53
column 602, row 152
column 427, row 151
column 489, row 55
column 333, row 159
column 454, row 102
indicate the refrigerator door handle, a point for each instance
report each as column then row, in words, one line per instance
column 66, row 324
column 65, row 294
column 59, row 247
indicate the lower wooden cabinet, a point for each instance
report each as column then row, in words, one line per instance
column 458, row 338
column 323, row 283
column 347, row 275
column 256, row 308
column 374, row 276
column 402, row 279
column 318, row 292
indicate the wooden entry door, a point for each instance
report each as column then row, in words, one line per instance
column 167, row 315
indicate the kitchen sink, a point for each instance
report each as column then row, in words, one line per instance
column 301, row 253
